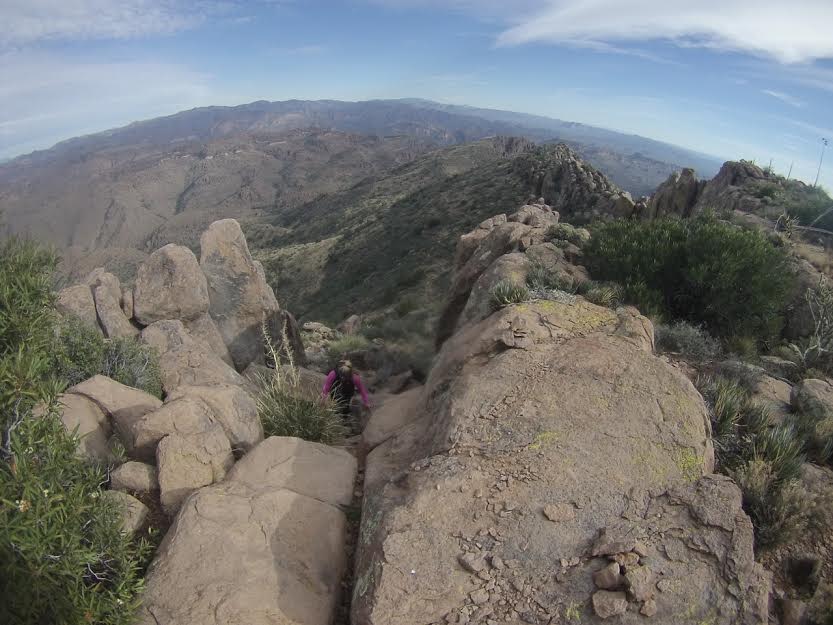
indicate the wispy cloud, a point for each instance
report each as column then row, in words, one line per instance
column 787, row 32
column 93, row 95
column 784, row 97
column 30, row 21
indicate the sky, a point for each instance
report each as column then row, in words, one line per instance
column 735, row 79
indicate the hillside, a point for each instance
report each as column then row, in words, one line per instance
column 145, row 194
column 130, row 187
column 389, row 237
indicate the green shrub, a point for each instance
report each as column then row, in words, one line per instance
column 541, row 278
column 80, row 352
column 505, row 293
column 63, row 558
column 732, row 281
column 817, row 436
column 690, row 341
column 566, row 232
column 746, row 375
column 346, row 344
column 286, row 409
column 606, row 294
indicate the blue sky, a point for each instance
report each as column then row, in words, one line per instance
column 732, row 78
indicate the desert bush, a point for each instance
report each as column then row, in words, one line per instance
column 746, row 375
column 80, row 352
column 816, row 350
column 541, row 278
column 346, row 344
column 63, row 557
column 705, row 271
column 505, row 293
column 688, row 340
column 816, row 433
column 285, row 409
column 779, row 513
column 566, row 232
column 608, row 294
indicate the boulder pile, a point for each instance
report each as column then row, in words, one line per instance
column 552, row 469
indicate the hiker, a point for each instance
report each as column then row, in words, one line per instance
column 341, row 385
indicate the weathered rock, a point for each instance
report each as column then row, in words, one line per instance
column 649, row 608
column 501, row 239
column 609, row 578
column 676, row 196
column 282, row 324
column 204, row 329
column 78, row 301
column 100, row 277
column 233, row 408
column 270, row 302
column 535, row 216
column 133, row 512
column 472, row 562
column 127, row 303
column 508, row 268
column 184, row 360
column 253, row 549
column 237, row 293
column 185, row 415
column 395, row 413
column 90, row 424
column 775, row 394
column 309, row 469
column 813, row 398
column 239, row 555
column 562, row 392
column 607, row 604
column 640, row 583
column 351, row 325
column 190, row 461
column 170, row 285
column 110, row 315
column 557, row 512
column 125, row 405
column 134, row 477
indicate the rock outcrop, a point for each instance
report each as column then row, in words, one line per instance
column 170, row 285
column 547, row 442
column 240, row 298
column 676, row 196
column 78, row 301
column 265, row 546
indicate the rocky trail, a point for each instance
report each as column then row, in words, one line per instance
column 551, row 468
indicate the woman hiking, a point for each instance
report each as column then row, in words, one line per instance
column 341, row 385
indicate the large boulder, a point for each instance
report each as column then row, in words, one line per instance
column 185, row 360
column 233, row 408
column 125, row 405
column 206, row 331
column 813, row 398
column 110, row 314
column 86, row 420
column 239, row 297
column 188, row 462
column 101, row 277
column 309, row 469
column 253, row 549
column 501, row 239
column 186, row 415
column 549, row 440
column 170, row 285
column 77, row 301
column 286, row 336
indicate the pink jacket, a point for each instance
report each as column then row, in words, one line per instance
column 357, row 381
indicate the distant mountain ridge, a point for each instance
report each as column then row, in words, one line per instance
column 647, row 162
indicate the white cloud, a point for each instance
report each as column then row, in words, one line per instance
column 789, row 31
column 30, row 21
column 784, row 97
column 45, row 98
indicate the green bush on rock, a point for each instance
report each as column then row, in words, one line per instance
column 63, row 557
column 703, row 270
